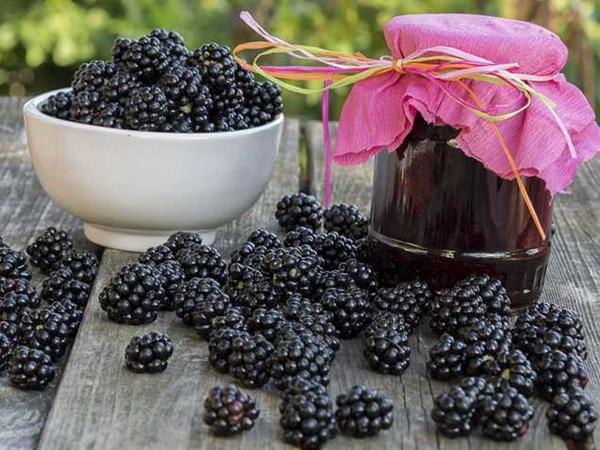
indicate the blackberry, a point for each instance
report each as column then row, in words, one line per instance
column 454, row 412
column 364, row 412
column 86, row 106
column 148, row 353
column 320, row 325
column 6, row 348
column 241, row 278
column 181, row 84
column 216, row 65
column 230, row 121
column 228, row 99
column 480, row 387
column 299, row 210
column 332, row 279
column 248, row 359
column 264, row 103
column 262, row 237
column 307, row 415
column 178, row 121
column 213, row 305
column 301, row 355
column 291, row 270
column 229, row 411
column 250, row 255
column 346, row 220
column 334, row 248
column 296, row 305
column 505, row 415
column 133, row 295
column 350, row 309
column 116, row 89
column 513, row 368
column 453, row 309
column 300, row 236
column 58, row 105
column 82, row 264
column 182, row 239
column 9, row 329
column 220, row 346
column 572, row 415
column 146, row 58
column 61, row 286
column 484, row 340
column 16, row 295
column 491, row 290
column 259, row 294
column 536, row 342
column 30, row 369
column 48, row 250
column 202, row 261
column 362, row 274
column 70, row 313
column 146, row 108
column 233, row 317
column 109, row 115
column 156, row 255
column 409, row 300
column 244, row 78
column 173, row 43
column 267, row 322
column 191, row 295
column 558, row 372
column 386, row 347
column 91, row 76
column 45, row 330
column 172, row 278
column 447, row 358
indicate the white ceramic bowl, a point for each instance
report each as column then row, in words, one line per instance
column 132, row 189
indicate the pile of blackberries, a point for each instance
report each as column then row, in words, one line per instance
column 36, row 326
column 156, row 84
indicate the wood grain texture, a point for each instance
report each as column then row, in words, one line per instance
column 100, row 404
column 573, row 281
column 25, row 211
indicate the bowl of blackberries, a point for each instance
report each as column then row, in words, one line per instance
column 156, row 139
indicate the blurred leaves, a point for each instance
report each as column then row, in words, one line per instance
column 43, row 41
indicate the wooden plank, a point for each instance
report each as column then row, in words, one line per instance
column 25, row 211
column 100, row 404
column 573, row 281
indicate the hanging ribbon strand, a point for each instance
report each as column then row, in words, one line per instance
column 439, row 64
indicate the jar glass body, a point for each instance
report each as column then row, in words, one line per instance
column 439, row 215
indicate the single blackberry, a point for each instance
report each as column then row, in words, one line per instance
column 191, row 295
column 230, row 121
column 182, row 239
column 321, row 325
column 259, row 294
column 48, row 250
column 6, row 348
column 45, row 330
column 296, row 305
column 350, row 309
column 86, row 106
column 146, row 58
column 58, row 105
column 364, row 412
column 134, row 295
column 301, row 355
column 248, row 359
column 156, row 255
column 479, row 387
column 453, row 309
column 262, row 237
column 220, row 346
column 292, row 270
column 307, row 415
column 181, row 84
column 213, row 306
column 249, row 255
column 233, row 317
column 146, row 108
column 61, row 286
column 30, row 368
column 13, row 264
column 91, row 76
column 216, row 65
column 384, row 320
column 244, row 78
column 263, row 102
column 202, row 261
column 148, row 353
column 9, row 329
column 229, row 411
column 300, row 236
column 347, row 220
column 117, row 88
column 484, row 340
column 267, row 322
column 505, row 415
column 362, row 274
column 16, row 295
column 110, row 115
column 447, row 358
column 228, row 99
column 386, row 347
column 172, row 278
column 241, row 277
column 572, row 415
column 173, row 43
column 454, row 412
column 330, row 279
column 513, row 368
column 409, row 300
column 178, row 121
column 558, row 371
column 70, row 313
column 334, row 249
column 491, row 290
column 536, row 342
column 299, row 210
column 82, row 264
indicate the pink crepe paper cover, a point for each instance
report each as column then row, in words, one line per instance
column 379, row 112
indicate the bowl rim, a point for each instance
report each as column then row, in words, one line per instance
column 31, row 108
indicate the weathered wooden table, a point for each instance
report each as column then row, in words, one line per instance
column 96, row 403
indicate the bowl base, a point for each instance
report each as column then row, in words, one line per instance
column 135, row 240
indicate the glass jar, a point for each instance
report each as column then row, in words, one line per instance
column 439, row 215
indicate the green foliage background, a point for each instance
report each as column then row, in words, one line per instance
column 43, row 41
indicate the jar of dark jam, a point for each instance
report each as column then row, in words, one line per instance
column 439, row 215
